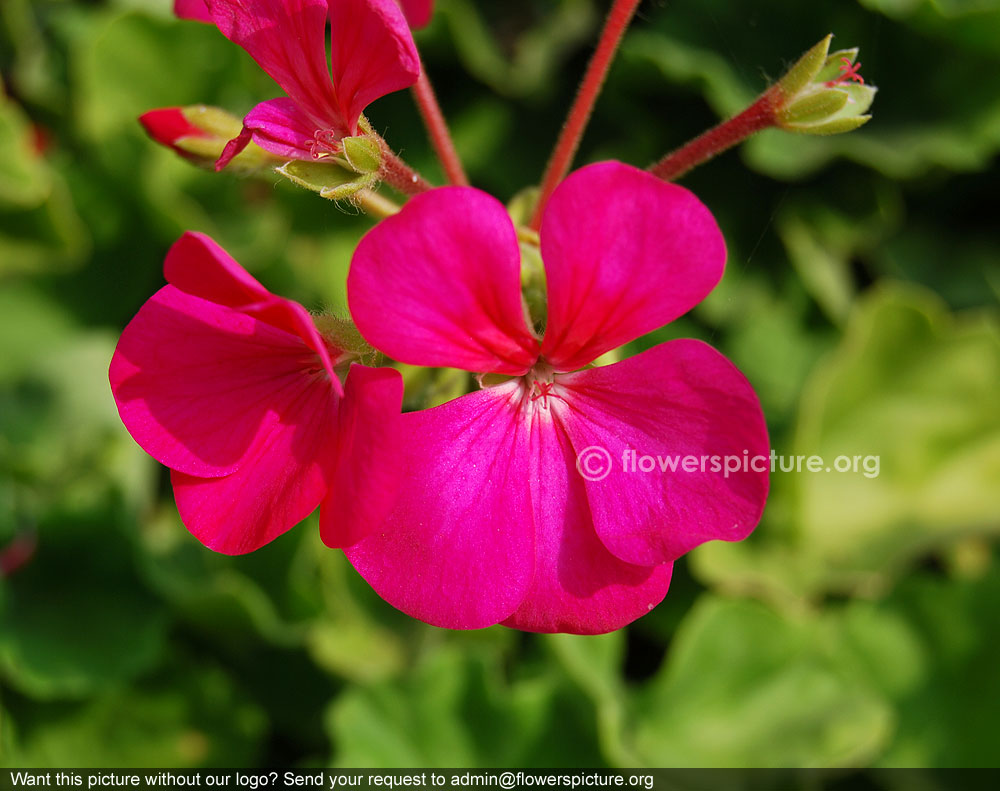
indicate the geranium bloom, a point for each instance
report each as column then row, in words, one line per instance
column 493, row 522
column 236, row 391
column 418, row 12
column 371, row 54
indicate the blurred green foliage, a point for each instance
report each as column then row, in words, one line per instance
column 855, row 628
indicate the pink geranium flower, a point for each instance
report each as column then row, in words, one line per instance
column 493, row 522
column 237, row 392
column 371, row 54
column 418, row 12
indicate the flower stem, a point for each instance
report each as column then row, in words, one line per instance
column 759, row 115
column 397, row 174
column 376, row 205
column 569, row 140
column 437, row 128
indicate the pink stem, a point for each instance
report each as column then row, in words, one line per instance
column 397, row 174
column 759, row 115
column 437, row 128
column 569, row 140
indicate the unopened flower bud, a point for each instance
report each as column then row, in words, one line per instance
column 824, row 93
column 199, row 133
column 332, row 178
column 362, row 154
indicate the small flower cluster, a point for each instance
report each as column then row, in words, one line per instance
column 474, row 512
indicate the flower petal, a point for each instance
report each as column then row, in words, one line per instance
column 279, row 482
column 192, row 9
column 372, row 53
column 439, row 284
column 365, row 482
column 198, row 265
column 167, row 125
column 287, row 39
column 624, row 254
column 279, row 126
column 679, row 399
column 418, row 12
column 578, row 586
column 457, row 549
column 197, row 384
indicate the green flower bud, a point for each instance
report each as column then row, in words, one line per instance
column 199, row 133
column 362, row 153
column 823, row 93
column 330, row 177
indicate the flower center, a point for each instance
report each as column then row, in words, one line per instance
column 324, row 144
column 848, row 73
column 539, row 386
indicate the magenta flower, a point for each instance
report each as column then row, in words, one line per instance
column 236, row 391
column 493, row 522
column 193, row 9
column 371, row 54
column 418, row 12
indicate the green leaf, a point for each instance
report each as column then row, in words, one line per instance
column 25, row 181
column 39, row 227
column 455, row 709
column 193, row 718
column 824, row 236
column 685, row 64
column 594, row 663
column 44, row 652
column 917, row 388
column 949, row 717
column 120, row 62
column 538, row 52
column 910, row 392
column 744, row 686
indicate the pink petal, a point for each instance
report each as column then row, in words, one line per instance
column 287, row 38
column 439, row 284
column 277, row 126
column 624, row 253
column 456, row 550
column 372, row 53
column 233, row 148
column 418, row 12
column 192, row 9
column 280, row 481
column 366, row 480
column 199, row 384
column 198, row 265
column 167, row 125
column 678, row 399
column 578, row 586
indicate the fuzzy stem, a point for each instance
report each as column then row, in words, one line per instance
column 597, row 70
column 759, row 115
column 397, row 174
column 376, row 205
column 437, row 128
